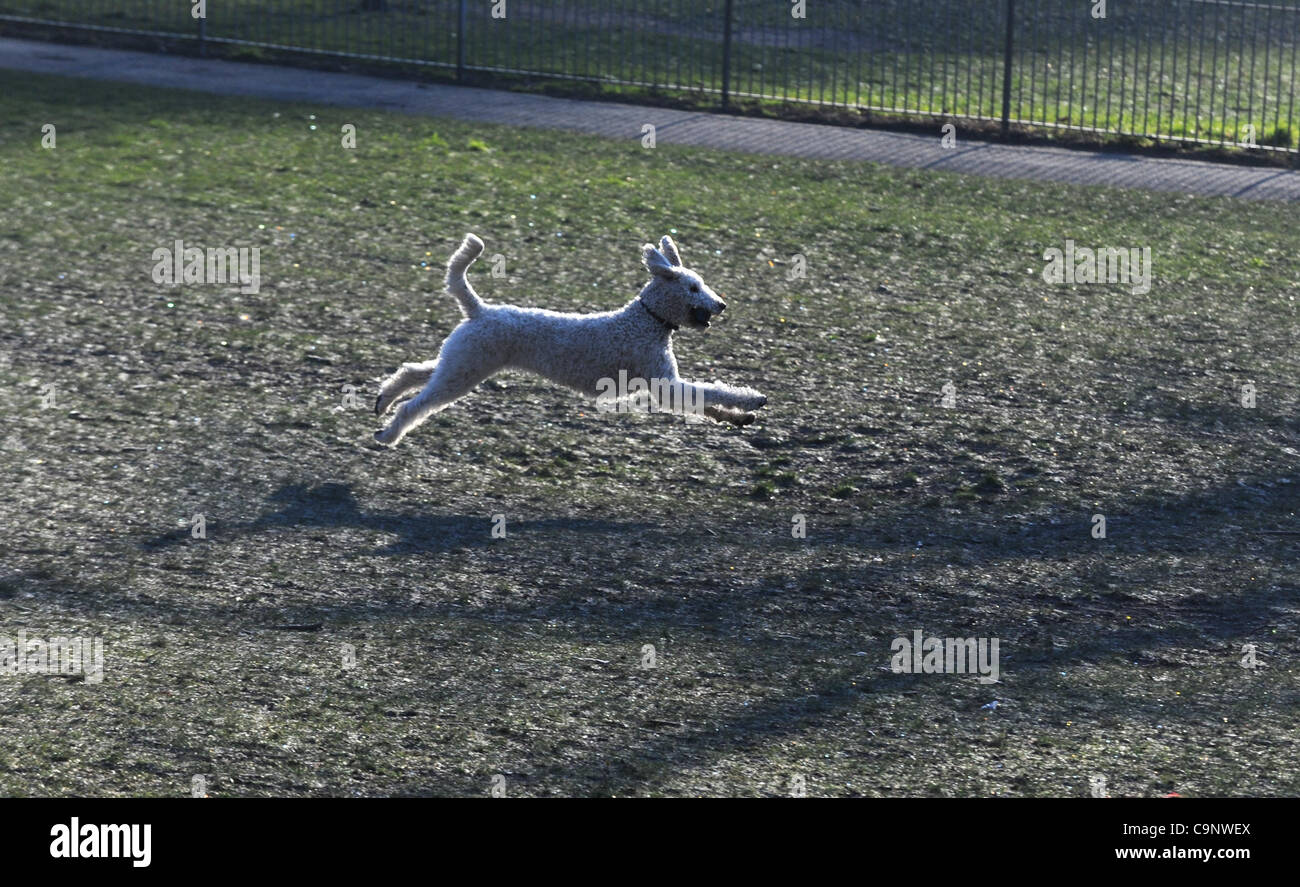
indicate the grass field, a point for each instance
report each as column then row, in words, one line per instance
column 436, row 657
column 1165, row 69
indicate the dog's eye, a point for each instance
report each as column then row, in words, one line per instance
column 694, row 289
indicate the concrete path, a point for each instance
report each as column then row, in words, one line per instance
column 623, row 121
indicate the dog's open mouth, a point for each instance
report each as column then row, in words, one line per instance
column 701, row 316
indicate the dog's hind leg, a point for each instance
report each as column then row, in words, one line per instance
column 409, row 377
column 449, row 383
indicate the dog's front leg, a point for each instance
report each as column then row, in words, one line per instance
column 720, row 402
column 720, row 395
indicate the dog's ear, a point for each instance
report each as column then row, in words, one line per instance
column 656, row 263
column 669, row 249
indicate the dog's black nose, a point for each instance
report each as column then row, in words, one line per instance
column 722, row 307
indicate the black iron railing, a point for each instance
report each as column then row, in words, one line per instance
column 1207, row 71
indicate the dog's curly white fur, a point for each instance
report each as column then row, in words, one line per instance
column 576, row 350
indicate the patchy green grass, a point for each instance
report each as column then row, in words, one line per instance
column 349, row 625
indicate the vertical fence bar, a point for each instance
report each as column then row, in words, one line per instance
column 1254, row 54
column 726, row 54
column 1188, row 107
column 1006, row 66
column 461, row 16
column 980, row 107
column 1241, row 76
column 1290, row 106
column 1277, row 96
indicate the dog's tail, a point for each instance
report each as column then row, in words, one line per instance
column 457, row 283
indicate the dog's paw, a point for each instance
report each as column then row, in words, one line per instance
column 383, row 437
column 731, row 416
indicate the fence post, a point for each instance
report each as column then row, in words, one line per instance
column 460, row 41
column 1006, row 67
column 726, row 54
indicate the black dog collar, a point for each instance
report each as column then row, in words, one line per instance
column 671, row 326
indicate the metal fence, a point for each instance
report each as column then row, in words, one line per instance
column 1205, row 71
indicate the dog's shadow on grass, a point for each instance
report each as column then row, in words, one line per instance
column 305, row 507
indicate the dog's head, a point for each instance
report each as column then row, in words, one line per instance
column 677, row 294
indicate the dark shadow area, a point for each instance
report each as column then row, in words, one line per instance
column 879, row 601
column 333, row 505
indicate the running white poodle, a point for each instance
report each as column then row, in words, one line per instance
column 586, row 352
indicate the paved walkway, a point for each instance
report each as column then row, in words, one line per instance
column 673, row 127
